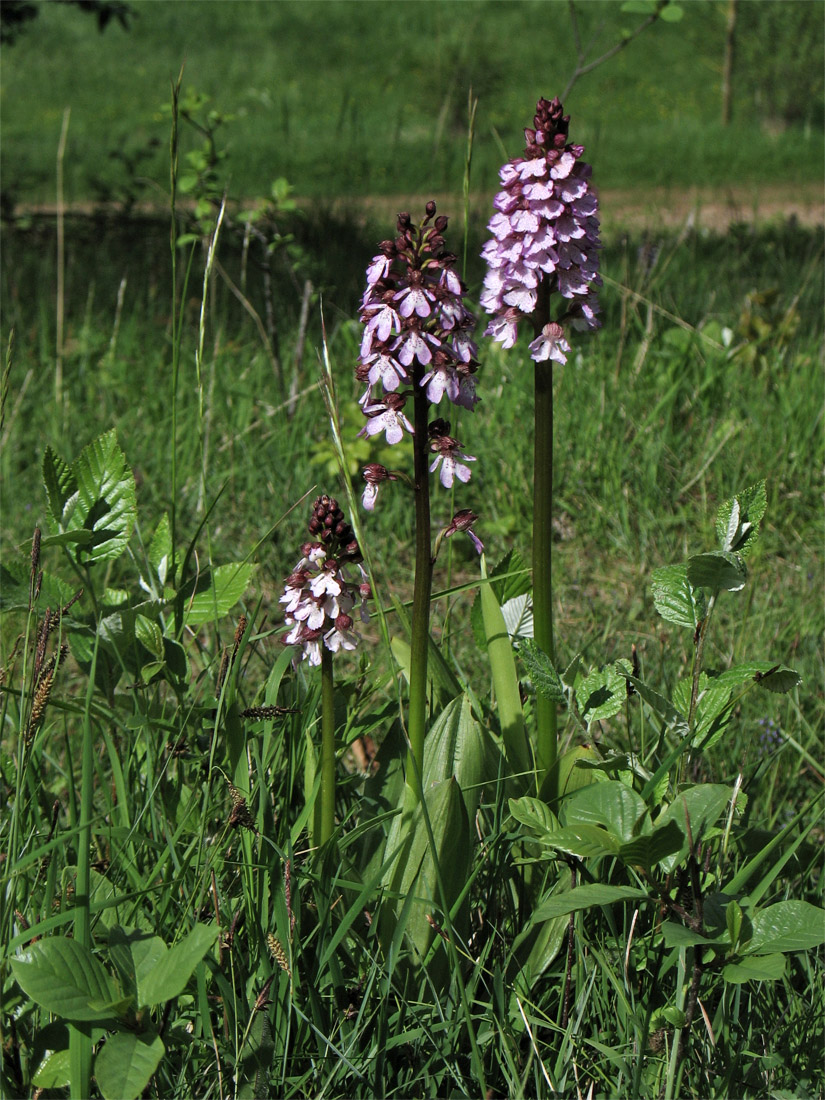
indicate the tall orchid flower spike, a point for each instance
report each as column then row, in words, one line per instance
column 416, row 350
column 544, row 248
column 545, row 240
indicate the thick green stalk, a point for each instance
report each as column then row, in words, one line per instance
column 327, row 747
column 416, row 724
column 546, row 746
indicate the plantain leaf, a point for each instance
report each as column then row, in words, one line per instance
column 64, row 977
column 125, row 1064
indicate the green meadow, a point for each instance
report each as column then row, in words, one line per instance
column 228, row 377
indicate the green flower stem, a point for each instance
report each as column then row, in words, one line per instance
column 416, row 723
column 327, row 747
column 546, row 746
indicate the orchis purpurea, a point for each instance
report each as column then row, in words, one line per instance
column 417, row 347
column 545, row 241
column 319, row 597
column 417, row 330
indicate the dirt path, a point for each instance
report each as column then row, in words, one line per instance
column 620, row 210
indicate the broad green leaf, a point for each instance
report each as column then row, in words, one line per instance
column 54, row 1072
column 718, row 569
column 755, row 968
column 451, row 833
column 106, row 499
column 788, row 926
column 651, row 848
column 675, row 599
column 60, row 483
column 126, row 1062
column 601, row 694
column 701, row 806
column 533, row 813
column 612, row 804
column 540, row 668
column 135, row 954
column 222, row 588
column 584, row 841
column 571, row 771
column 65, row 978
column 678, row 935
column 456, row 745
column 738, row 519
column 585, row 897
column 149, row 634
column 505, row 679
column 168, row 976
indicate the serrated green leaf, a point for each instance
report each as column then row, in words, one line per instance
column 168, row 976
column 585, row 897
column 662, row 707
column 675, row 599
column 217, row 593
column 738, row 519
column 755, row 968
column 601, row 694
column 125, row 1064
column 106, row 504
column 788, row 926
column 65, row 978
column 518, row 616
column 718, row 569
column 780, row 680
column 160, row 548
column 540, row 669
column 60, row 483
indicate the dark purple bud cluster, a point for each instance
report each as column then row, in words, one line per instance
column 417, row 330
column 318, row 594
column 545, row 231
